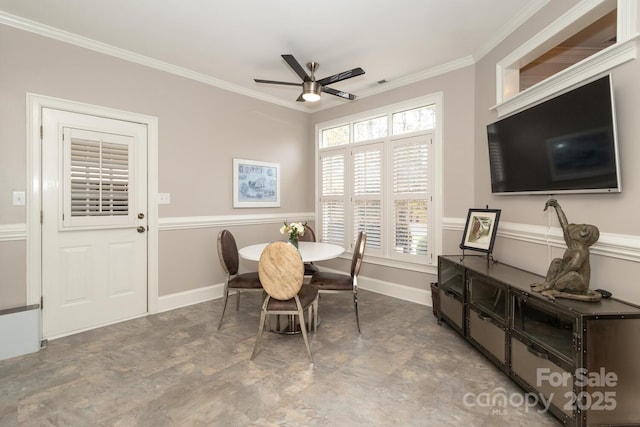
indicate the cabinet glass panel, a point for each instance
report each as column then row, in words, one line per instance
column 488, row 296
column 451, row 277
column 550, row 328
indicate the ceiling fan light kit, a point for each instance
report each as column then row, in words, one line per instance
column 311, row 88
column 311, row 91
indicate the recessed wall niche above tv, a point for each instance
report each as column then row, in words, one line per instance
column 567, row 144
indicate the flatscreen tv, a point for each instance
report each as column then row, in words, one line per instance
column 566, row 144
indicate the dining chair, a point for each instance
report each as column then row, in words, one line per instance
column 329, row 282
column 281, row 273
column 309, row 236
column 230, row 260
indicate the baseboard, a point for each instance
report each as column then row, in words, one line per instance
column 395, row 290
column 207, row 293
column 190, row 297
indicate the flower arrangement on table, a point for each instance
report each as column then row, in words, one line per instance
column 293, row 230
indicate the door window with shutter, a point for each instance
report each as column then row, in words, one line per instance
column 386, row 187
column 97, row 181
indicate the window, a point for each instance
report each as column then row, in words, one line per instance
column 370, row 129
column 332, row 196
column 367, row 193
column 376, row 174
column 335, row 136
column 579, row 45
column 411, row 196
column 596, row 37
column 413, row 120
column 97, row 178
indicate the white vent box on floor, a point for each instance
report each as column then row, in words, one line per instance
column 19, row 331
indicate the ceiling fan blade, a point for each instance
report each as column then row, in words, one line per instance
column 339, row 93
column 295, row 65
column 273, row 82
column 300, row 98
column 341, row 76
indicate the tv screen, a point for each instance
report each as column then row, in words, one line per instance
column 566, row 144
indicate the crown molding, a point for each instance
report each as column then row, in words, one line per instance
column 96, row 46
column 520, row 18
column 67, row 37
column 413, row 78
column 423, row 75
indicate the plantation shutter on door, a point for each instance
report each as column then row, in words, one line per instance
column 367, row 194
column 411, row 196
column 98, row 179
column 332, row 197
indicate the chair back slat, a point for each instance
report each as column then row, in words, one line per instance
column 309, row 235
column 228, row 252
column 358, row 253
column 281, row 270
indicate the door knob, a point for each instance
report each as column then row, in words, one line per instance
column 141, row 229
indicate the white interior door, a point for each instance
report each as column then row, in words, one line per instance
column 94, row 204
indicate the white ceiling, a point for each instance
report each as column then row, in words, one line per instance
column 229, row 43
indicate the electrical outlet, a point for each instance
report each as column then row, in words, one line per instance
column 18, row 198
column 164, row 198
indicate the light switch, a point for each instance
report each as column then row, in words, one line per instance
column 164, row 198
column 18, row 198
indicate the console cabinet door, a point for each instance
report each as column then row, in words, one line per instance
column 532, row 366
column 451, row 280
column 452, row 310
column 613, row 346
column 490, row 336
column 547, row 325
column 488, row 297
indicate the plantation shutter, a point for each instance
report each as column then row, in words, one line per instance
column 411, row 196
column 367, row 194
column 97, row 179
column 332, row 197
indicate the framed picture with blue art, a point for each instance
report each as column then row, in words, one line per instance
column 256, row 184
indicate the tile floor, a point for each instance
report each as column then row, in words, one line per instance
column 176, row 368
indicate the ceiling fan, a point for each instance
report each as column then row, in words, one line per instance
column 311, row 87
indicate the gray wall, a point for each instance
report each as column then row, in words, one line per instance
column 202, row 127
column 614, row 214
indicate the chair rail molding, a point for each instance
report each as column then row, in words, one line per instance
column 190, row 222
column 620, row 246
column 11, row 232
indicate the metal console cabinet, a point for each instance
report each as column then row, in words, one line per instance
column 580, row 356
